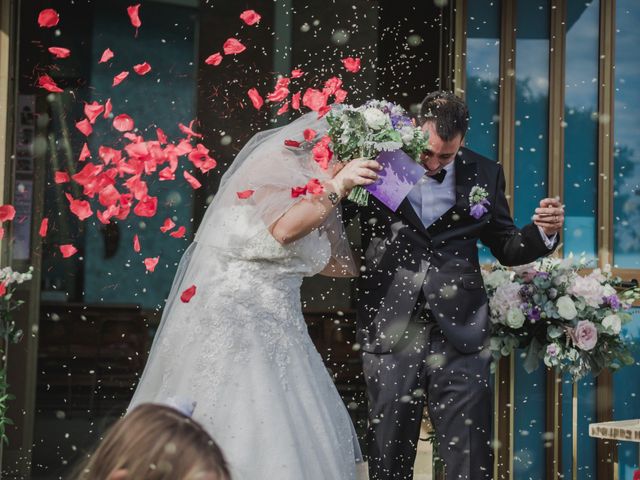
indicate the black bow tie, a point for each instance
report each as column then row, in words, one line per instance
column 439, row 177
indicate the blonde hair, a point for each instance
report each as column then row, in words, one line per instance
column 155, row 442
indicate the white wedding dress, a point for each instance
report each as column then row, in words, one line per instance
column 240, row 350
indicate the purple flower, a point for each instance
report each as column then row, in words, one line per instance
column 534, row 314
column 553, row 350
column 479, row 209
column 613, row 301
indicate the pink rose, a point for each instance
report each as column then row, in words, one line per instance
column 585, row 335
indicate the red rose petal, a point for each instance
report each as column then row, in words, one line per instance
column 61, row 177
column 295, row 101
column 44, row 226
column 256, row 99
column 68, row 250
column 118, row 79
column 351, row 64
column 233, row 47
column 179, row 233
column 283, row 109
column 215, row 59
column 80, row 208
column 188, row 294
column 193, row 181
column 244, row 194
column 314, row 187
column 292, row 143
column 59, row 52
column 162, row 138
column 46, row 82
column 309, row 134
column 150, row 263
column 93, row 111
column 250, row 17
column 7, row 212
column 136, row 243
column 108, row 108
column 106, row 55
column 297, row 73
column 146, row 207
column 142, row 68
column 166, row 174
column 322, row 153
column 298, row 191
column 48, row 18
column 340, row 95
column 123, row 123
column 314, row 99
column 84, row 153
column 167, row 225
column 85, row 127
column 134, row 15
column 189, row 130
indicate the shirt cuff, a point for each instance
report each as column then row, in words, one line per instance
column 549, row 241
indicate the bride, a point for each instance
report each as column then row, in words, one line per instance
column 239, row 348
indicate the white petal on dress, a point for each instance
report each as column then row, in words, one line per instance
column 240, row 349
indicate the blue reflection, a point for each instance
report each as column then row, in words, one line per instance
column 581, row 130
column 627, row 140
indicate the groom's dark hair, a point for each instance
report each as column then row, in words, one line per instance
column 449, row 113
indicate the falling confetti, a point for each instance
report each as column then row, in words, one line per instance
column 250, row 17
column 106, row 56
column 44, row 226
column 68, row 250
column 48, row 18
column 142, row 68
column 188, row 294
column 7, row 212
column 118, row 79
column 123, row 123
column 59, row 52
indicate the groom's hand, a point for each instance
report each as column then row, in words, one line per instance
column 549, row 216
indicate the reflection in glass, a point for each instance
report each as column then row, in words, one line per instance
column 530, row 177
column 626, row 139
column 482, row 78
column 581, row 130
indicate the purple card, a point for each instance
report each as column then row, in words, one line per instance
column 399, row 175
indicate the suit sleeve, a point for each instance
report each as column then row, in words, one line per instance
column 509, row 244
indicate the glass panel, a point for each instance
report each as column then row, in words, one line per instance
column 581, row 130
column 483, row 73
column 626, row 401
column 531, row 145
column 627, row 142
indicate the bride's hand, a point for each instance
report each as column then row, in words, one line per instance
column 360, row 171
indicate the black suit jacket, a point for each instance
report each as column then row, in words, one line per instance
column 406, row 263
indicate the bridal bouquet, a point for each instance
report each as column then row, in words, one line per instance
column 370, row 129
column 560, row 315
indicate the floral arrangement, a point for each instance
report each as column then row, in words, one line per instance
column 372, row 128
column 8, row 279
column 560, row 315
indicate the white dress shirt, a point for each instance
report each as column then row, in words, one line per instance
column 431, row 199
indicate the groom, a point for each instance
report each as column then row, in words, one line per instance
column 422, row 309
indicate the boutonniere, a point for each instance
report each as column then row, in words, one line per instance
column 478, row 201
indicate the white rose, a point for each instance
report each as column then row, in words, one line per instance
column 515, row 318
column 407, row 134
column 497, row 278
column 612, row 323
column 566, row 307
column 608, row 290
column 375, row 118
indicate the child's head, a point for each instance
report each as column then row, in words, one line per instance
column 155, row 442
